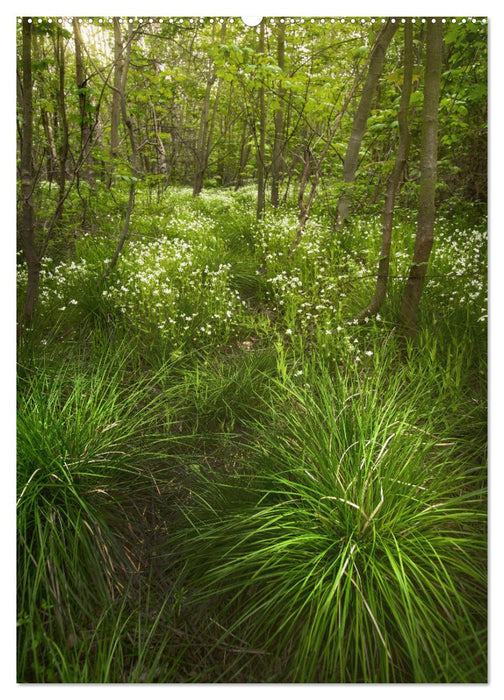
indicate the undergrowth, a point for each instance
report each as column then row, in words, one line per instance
column 222, row 476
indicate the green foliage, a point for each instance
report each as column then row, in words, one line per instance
column 333, row 547
column 87, row 440
column 224, row 393
column 222, row 474
column 291, row 482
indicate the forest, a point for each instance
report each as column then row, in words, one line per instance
column 251, row 271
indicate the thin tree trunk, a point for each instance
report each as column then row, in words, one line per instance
column 213, row 118
column 306, row 206
column 50, row 149
column 201, row 155
column 428, row 179
column 377, row 58
column 296, row 158
column 395, row 177
column 115, row 109
column 129, row 123
column 52, row 155
column 160, row 148
column 27, row 228
column 276, row 165
column 59, row 49
column 262, row 136
column 244, row 156
column 84, row 103
column 207, row 124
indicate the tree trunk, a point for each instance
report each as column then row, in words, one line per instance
column 59, row 50
column 276, row 165
column 160, row 148
column 428, row 177
column 26, row 223
column 350, row 163
column 395, row 177
column 129, row 123
column 305, row 206
column 52, row 155
column 261, row 151
column 207, row 124
column 115, row 109
column 84, row 103
column 225, row 169
column 244, row 156
column 201, row 154
column 50, row 149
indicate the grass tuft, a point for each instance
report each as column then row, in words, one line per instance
column 337, row 546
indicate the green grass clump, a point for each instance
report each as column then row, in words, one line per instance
column 88, row 438
column 225, row 393
column 351, row 545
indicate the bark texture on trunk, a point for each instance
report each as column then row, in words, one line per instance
column 26, row 216
column 395, row 178
column 262, row 137
column 305, row 206
column 130, row 126
column 276, row 164
column 84, row 104
column 359, row 126
column 428, row 179
column 115, row 109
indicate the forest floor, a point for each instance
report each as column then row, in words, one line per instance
column 222, row 476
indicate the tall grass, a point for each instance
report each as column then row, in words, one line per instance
column 351, row 545
column 223, row 477
column 87, row 441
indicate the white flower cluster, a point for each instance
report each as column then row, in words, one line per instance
column 459, row 258
column 174, row 284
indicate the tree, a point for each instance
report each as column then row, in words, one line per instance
column 428, row 178
column 276, row 163
column 261, row 149
column 395, row 177
column 243, row 157
column 115, row 108
column 27, row 180
column 306, row 204
column 359, row 125
column 130, row 126
column 202, row 145
column 83, row 91
column 64, row 147
column 52, row 156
